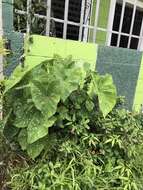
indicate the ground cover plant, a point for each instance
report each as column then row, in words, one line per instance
column 102, row 153
column 63, row 123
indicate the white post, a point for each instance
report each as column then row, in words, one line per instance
column 48, row 14
column 29, row 4
column 66, row 19
column 110, row 21
column 140, row 44
column 81, row 20
column 87, row 19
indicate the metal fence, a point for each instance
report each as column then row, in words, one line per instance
column 124, row 23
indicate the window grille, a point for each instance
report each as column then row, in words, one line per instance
column 74, row 19
column 128, row 22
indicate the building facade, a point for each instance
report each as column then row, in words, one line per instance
column 114, row 26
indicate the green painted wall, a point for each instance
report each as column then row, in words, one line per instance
column 102, row 20
column 125, row 65
column 138, row 100
column 44, row 48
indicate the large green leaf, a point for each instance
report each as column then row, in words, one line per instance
column 45, row 102
column 103, row 87
column 38, row 127
column 64, row 77
column 23, row 116
column 35, row 148
column 10, row 132
column 18, row 74
column 70, row 75
column 22, row 139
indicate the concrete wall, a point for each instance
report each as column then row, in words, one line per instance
column 14, row 39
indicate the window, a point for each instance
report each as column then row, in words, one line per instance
column 74, row 12
column 57, row 16
column 127, row 25
column 107, row 22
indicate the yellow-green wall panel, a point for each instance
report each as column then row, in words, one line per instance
column 102, row 21
column 46, row 47
column 138, row 100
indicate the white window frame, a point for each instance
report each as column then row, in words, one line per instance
column 135, row 3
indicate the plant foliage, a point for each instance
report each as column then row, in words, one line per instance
column 90, row 152
column 3, row 51
column 43, row 93
column 62, row 114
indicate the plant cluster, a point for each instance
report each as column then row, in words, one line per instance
column 92, row 152
column 56, row 93
column 64, row 117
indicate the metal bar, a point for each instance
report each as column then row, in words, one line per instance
column 140, row 44
column 48, row 15
column 121, row 23
column 139, row 3
column 87, row 19
column 20, row 12
column 66, row 19
column 115, row 32
column 132, row 24
column 96, row 20
column 110, row 21
column 81, row 20
column 29, row 5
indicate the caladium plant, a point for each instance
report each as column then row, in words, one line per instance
column 33, row 97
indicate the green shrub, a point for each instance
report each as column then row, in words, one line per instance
column 96, row 153
column 63, row 117
column 39, row 97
